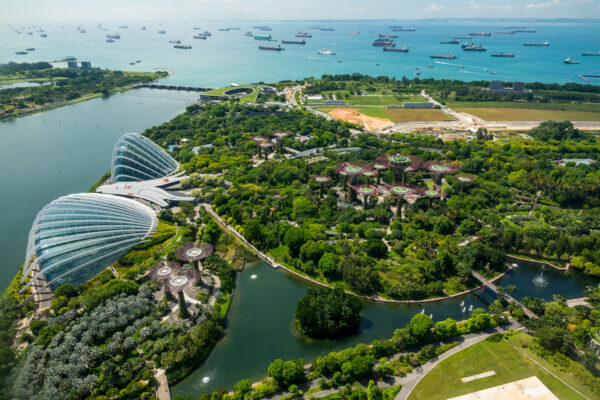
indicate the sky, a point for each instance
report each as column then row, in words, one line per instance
column 12, row 11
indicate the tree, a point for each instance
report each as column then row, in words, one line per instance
column 420, row 326
column 358, row 273
column 328, row 313
column 446, row 328
column 311, row 250
column 294, row 238
column 376, row 248
column 212, row 232
column 328, row 264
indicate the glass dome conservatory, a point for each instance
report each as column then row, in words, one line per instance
column 76, row 236
column 137, row 158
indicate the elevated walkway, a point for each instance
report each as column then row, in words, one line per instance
column 494, row 288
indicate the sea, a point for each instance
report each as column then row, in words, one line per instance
column 231, row 57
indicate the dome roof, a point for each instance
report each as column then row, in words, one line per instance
column 76, row 236
column 137, row 158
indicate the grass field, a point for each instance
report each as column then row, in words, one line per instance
column 382, row 100
column 525, row 111
column 413, row 115
column 444, row 381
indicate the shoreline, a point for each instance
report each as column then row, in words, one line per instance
column 566, row 268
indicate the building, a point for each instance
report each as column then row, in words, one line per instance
column 76, row 236
column 137, row 158
column 86, row 65
column 517, row 88
column 72, row 65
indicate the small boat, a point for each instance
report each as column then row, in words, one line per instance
column 570, row 61
column 429, row 65
column 207, row 33
column 392, row 36
column 248, row 33
column 43, row 35
column 143, row 28
column 116, row 36
column 30, row 49
column 175, row 41
column 197, row 28
column 354, row 32
column 183, row 46
column 326, row 52
column 200, row 37
column 123, row 27
column 224, row 29
column 109, row 40
column 417, row 72
column 131, row 63
column 20, row 52
column 303, row 34
column 274, row 48
column 508, row 55
column 161, row 32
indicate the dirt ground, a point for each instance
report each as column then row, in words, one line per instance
column 348, row 115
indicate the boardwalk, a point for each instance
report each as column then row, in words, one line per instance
column 173, row 87
column 494, row 288
column 162, row 391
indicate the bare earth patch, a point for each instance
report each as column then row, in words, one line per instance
column 525, row 114
column 348, row 115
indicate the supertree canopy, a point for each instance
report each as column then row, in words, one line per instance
column 400, row 163
column 439, row 169
column 365, row 191
column 191, row 252
column 163, row 271
column 321, row 180
column 351, row 170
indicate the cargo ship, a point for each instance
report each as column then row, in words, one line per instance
column 480, row 34
column 504, row 33
column 224, row 29
column 398, row 50
column 395, row 27
column 303, row 34
column 175, row 41
column 570, row 61
column 293, row 41
column 508, row 55
column 354, row 32
column 200, row 37
column 445, row 57
column 545, row 44
column 449, row 42
column 275, row 48
column 262, row 37
column 515, row 27
column 265, row 29
column 384, row 42
column 590, row 54
column 207, row 33
column 327, row 52
column 20, row 52
column 403, row 29
column 392, row 36
column 31, row 49
column 474, row 48
column 259, row 26
column 183, row 46
column 117, row 36
column 525, row 31
column 327, row 29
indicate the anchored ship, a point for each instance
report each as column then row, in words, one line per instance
column 262, row 37
column 327, row 52
column 398, row 50
column 403, row 29
column 448, row 57
column 544, row 44
column 200, row 37
column 570, row 61
column 303, row 34
column 294, row 41
column 275, row 48
column 162, row 32
column 525, row 31
column 384, row 43
column 480, row 34
column 510, row 54
column 449, row 42
column 117, row 36
column 248, row 33
column 590, row 54
column 474, row 48
column 392, row 36
column 175, row 41
column 183, row 46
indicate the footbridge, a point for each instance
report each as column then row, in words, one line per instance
column 494, row 288
column 173, row 87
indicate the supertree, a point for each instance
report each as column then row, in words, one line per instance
column 162, row 272
column 365, row 191
column 321, row 180
column 194, row 253
column 440, row 169
column 371, row 173
column 266, row 146
column 280, row 136
column 431, row 194
column 178, row 284
column 464, row 179
column 401, row 191
column 259, row 140
column 401, row 164
column 380, row 167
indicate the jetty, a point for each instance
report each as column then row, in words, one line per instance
column 173, row 87
column 494, row 288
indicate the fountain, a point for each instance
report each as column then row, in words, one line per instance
column 540, row 281
column 253, row 276
column 423, row 311
column 462, row 303
column 514, row 265
column 464, row 309
column 205, row 379
column 431, row 316
column 471, row 308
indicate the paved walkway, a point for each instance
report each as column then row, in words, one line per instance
column 162, row 391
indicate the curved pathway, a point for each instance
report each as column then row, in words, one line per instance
column 269, row 260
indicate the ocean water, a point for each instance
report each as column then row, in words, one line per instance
column 228, row 57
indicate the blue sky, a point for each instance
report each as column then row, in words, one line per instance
column 132, row 10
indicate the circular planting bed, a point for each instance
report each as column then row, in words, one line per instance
column 238, row 92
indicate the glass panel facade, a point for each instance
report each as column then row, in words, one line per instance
column 137, row 158
column 75, row 237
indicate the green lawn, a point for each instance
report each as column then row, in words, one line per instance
column 526, row 111
column 415, row 115
column 587, row 107
column 444, row 381
column 382, row 100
